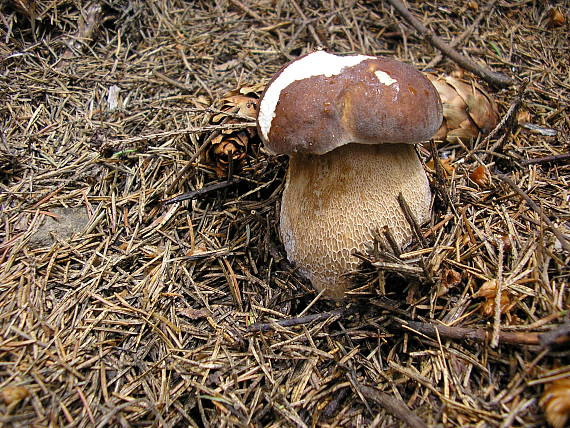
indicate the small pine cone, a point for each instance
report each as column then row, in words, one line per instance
column 555, row 402
column 467, row 109
column 231, row 145
column 229, row 148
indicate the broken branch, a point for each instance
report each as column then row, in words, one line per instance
column 491, row 77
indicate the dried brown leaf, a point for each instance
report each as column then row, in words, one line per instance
column 446, row 164
column 13, row 394
column 555, row 18
column 450, row 277
column 480, row 176
column 523, row 116
column 555, row 402
column 246, row 106
column 489, row 292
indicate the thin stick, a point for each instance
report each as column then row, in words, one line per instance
column 199, row 192
column 492, row 77
column 411, row 220
column 86, row 405
column 185, row 131
column 290, row 322
column 466, row 34
column 477, row 334
column 555, row 335
column 333, row 406
column 391, row 241
column 498, row 296
column 249, row 12
column 546, row 159
column 559, row 235
column 173, row 82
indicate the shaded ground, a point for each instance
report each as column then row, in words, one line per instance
column 142, row 317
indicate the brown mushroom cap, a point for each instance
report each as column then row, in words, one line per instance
column 322, row 101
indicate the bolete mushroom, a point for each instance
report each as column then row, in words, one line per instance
column 348, row 124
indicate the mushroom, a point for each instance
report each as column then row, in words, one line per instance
column 348, row 124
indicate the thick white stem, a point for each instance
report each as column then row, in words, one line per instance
column 333, row 203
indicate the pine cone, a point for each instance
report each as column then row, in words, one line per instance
column 467, row 109
column 229, row 148
column 232, row 145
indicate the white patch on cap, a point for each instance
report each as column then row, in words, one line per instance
column 319, row 63
column 385, row 78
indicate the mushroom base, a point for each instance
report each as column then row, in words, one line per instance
column 333, row 203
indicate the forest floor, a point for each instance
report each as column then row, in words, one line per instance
column 119, row 309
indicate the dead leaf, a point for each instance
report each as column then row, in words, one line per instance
column 226, row 66
column 473, row 5
column 446, row 164
column 449, row 278
column 555, row 402
column 555, row 18
column 523, row 116
column 489, row 292
column 12, row 394
column 480, row 176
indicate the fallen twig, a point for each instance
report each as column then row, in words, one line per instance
column 498, row 307
column 491, row 77
column 477, row 334
column 199, row 192
column 290, row 322
column 250, row 12
column 391, row 241
column 331, row 408
column 411, row 219
column 466, row 34
column 546, row 159
column 554, row 336
column 414, row 225
column 172, row 82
